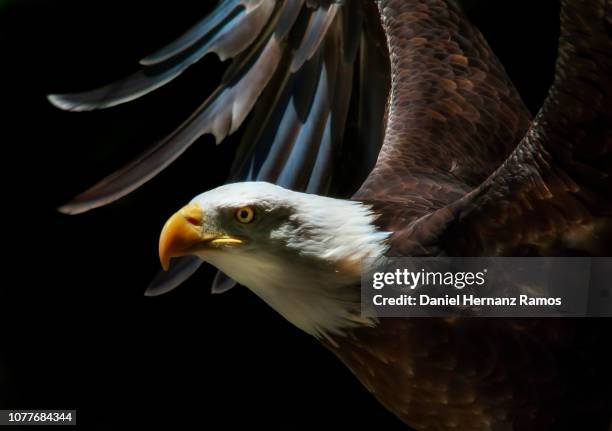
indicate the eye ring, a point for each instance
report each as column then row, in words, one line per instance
column 245, row 215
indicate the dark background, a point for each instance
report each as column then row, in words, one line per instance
column 77, row 332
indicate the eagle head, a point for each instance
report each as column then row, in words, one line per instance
column 301, row 253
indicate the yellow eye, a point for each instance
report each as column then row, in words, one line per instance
column 245, row 215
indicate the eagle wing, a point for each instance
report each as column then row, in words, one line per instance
column 490, row 373
column 553, row 194
column 297, row 69
column 453, row 114
column 306, row 78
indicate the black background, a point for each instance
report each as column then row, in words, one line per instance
column 77, row 331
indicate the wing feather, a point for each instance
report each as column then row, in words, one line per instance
column 221, row 114
column 235, row 33
column 317, row 28
column 195, row 34
column 297, row 168
column 553, row 194
column 181, row 270
column 440, row 141
column 285, row 57
column 270, row 52
column 321, row 172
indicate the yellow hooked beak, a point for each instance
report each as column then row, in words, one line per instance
column 183, row 234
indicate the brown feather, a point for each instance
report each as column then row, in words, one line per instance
column 484, row 374
column 456, row 176
column 560, row 176
column 454, row 115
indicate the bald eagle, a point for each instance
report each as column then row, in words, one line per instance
column 453, row 164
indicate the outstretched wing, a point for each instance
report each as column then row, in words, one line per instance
column 294, row 77
column 306, row 77
column 453, row 116
column 553, row 195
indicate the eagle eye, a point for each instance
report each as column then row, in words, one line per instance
column 245, row 215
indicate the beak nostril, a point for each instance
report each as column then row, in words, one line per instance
column 192, row 220
column 192, row 214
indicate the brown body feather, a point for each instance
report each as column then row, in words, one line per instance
column 454, row 120
column 486, row 374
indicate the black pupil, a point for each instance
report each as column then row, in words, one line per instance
column 244, row 214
